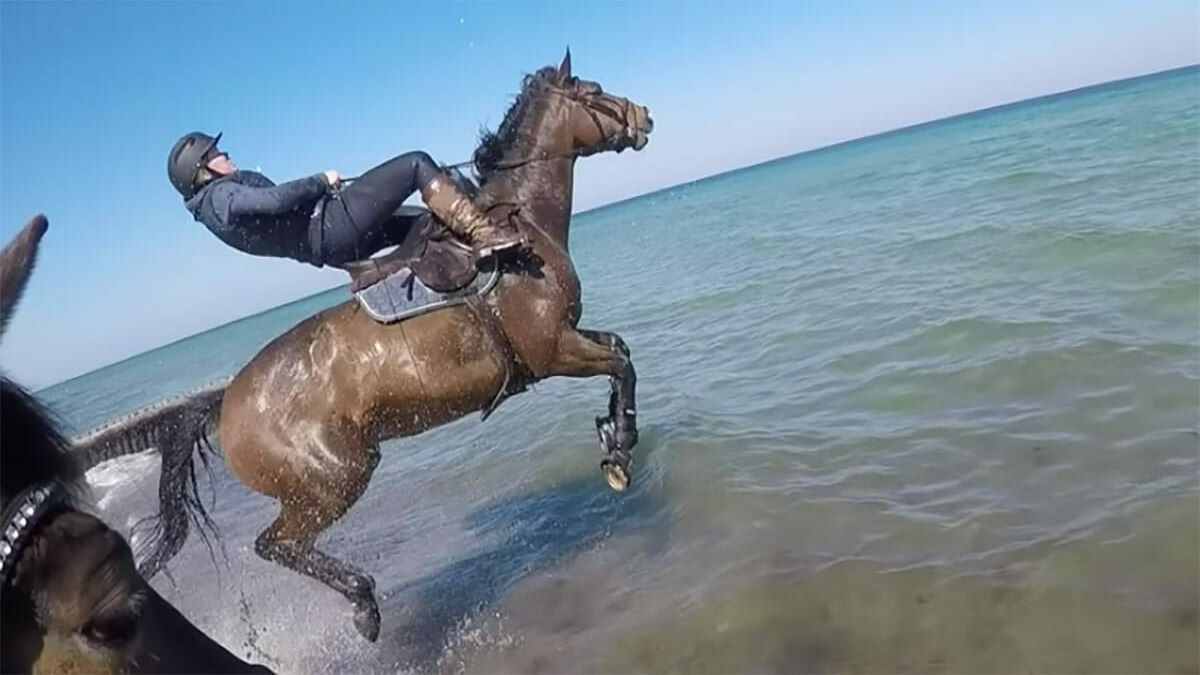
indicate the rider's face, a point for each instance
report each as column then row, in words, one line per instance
column 220, row 164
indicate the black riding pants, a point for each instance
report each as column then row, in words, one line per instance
column 366, row 216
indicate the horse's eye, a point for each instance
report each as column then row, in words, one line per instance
column 112, row 630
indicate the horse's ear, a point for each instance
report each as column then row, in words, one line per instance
column 564, row 68
column 16, row 265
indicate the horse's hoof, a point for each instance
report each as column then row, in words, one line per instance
column 366, row 620
column 615, row 474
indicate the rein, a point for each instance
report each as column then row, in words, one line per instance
column 621, row 115
column 503, row 167
column 21, row 518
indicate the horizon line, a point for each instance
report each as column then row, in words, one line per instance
column 713, row 176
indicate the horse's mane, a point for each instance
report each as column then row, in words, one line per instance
column 526, row 110
column 32, row 448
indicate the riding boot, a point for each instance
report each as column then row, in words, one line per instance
column 456, row 210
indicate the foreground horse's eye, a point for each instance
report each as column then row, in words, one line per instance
column 112, row 630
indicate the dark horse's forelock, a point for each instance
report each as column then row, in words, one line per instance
column 524, row 112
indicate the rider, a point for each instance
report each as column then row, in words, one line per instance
column 298, row 220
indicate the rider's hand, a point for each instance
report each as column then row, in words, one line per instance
column 333, row 178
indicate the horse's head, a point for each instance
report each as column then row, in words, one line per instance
column 73, row 601
column 558, row 115
column 599, row 121
column 72, row 595
column 76, row 602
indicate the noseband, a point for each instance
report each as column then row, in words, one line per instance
column 619, row 114
column 20, row 520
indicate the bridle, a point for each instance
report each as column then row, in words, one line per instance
column 620, row 114
column 21, row 518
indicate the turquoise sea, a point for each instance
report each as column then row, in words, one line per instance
column 924, row 402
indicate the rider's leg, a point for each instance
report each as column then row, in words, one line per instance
column 344, row 239
column 380, row 191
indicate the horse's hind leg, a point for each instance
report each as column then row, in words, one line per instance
column 312, row 503
column 587, row 353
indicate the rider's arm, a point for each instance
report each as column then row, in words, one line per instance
column 261, row 201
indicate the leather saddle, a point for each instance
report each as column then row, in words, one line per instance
column 428, row 250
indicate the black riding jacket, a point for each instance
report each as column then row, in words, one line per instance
column 252, row 214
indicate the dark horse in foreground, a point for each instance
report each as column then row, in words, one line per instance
column 71, row 597
column 303, row 420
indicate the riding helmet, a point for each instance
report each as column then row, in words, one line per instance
column 186, row 158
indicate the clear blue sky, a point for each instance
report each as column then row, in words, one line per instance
column 93, row 94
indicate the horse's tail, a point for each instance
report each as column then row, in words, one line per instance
column 179, row 429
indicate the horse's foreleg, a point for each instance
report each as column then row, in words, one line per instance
column 587, row 353
column 622, row 403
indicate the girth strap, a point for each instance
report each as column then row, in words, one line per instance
column 489, row 317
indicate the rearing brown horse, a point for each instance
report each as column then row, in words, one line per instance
column 303, row 420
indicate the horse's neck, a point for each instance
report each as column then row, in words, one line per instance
column 551, row 197
column 544, row 190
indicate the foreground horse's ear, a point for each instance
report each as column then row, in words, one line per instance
column 16, row 265
column 564, row 68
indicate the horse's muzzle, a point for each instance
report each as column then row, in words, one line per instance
column 642, row 126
